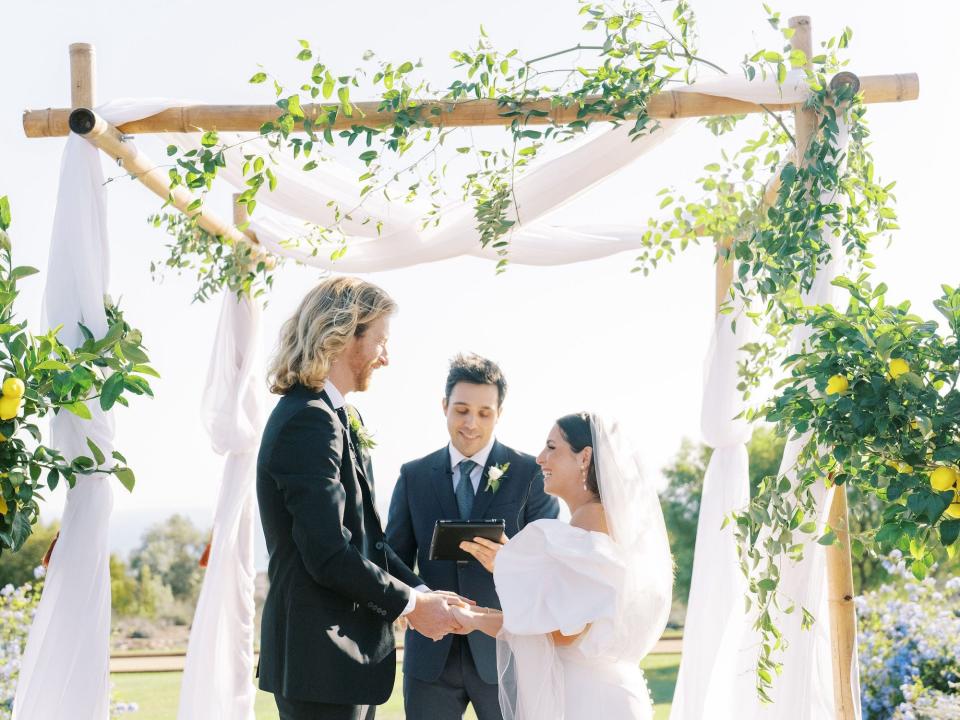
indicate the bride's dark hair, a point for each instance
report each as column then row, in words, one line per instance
column 575, row 429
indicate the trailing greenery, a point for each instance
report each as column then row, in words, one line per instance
column 633, row 53
column 44, row 377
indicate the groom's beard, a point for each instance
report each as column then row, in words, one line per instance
column 362, row 377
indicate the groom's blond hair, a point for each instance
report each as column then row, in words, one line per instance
column 336, row 310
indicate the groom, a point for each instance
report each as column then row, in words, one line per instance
column 473, row 477
column 326, row 647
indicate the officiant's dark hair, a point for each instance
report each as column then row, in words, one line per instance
column 575, row 429
column 478, row 370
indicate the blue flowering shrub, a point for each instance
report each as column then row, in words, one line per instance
column 909, row 632
column 17, row 607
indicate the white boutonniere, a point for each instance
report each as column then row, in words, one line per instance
column 495, row 476
column 363, row 438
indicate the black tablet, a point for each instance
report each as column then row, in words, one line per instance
column 448, row 534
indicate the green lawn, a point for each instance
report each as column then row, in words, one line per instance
column 157, row 693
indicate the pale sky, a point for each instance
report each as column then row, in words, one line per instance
column 589, row 336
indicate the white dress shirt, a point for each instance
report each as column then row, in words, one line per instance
column 480, row 458
column 338, row 401
column 336, row 397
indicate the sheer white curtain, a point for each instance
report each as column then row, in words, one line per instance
column 218, row 677
column 714, row 668
column 65, row 669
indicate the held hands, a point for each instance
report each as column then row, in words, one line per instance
column 433, row 614
column 485, row 551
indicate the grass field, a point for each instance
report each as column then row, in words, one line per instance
column 157, row 693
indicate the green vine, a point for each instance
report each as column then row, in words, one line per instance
column 636, row 54
column 42, row 376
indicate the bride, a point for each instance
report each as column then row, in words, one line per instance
column 582, row 602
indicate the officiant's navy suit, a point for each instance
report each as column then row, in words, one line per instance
column 424, row 493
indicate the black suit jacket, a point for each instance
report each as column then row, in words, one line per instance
column 424, row 494
column 326, row 634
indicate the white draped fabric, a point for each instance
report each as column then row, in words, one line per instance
column 218, row 677
column 715, row 670
column 65, row 669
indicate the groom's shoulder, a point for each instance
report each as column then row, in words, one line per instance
column 294, row 409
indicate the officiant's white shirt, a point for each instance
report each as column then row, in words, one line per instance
column 480, row 458
column 338, row 401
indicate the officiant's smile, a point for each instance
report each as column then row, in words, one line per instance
column 472, row 412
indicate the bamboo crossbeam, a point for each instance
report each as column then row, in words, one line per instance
column 54, row 122
column 114, row 143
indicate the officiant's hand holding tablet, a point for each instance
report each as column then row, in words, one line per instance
column 448, row 534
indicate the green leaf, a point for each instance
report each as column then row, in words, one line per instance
column 949, row 531
column 112, row 389
column 4, row 212
column 52, row 365
column 126, row 477
column 20, row 530
column 22, row 272
column 79, row 409
column 144, row 370
column 258, row 78
column 97, row 452
column 827, row 538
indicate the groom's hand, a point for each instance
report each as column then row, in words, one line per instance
column 432, row 617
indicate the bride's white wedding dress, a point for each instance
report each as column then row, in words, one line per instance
column 556, row 576
column 615, row 589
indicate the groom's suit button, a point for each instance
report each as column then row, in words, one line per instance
column 379, row 545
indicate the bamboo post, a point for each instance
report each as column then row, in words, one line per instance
column 120, row 147
column 843, row 618
column 54, row 122
column 82, row 75
column 839, row 569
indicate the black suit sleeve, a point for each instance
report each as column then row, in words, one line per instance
column 400, row 537
column 305, row 464
column 539, row 504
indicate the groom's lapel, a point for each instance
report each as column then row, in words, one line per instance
column 442, row 480
column 484, row 497
column 356, row 459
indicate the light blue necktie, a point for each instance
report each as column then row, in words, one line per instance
column 465, row 493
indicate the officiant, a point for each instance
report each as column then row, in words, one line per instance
column 473, row 477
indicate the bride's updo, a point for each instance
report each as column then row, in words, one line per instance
column 575, row 429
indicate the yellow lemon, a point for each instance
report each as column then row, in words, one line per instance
column 9, row 407
column 3, row 506
column 898, row 366
column 953, row 510
column 13, row 387
column 837, row 385
column 904, row 467
column 943, row 478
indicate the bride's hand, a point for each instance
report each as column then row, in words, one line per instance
column 485, row 551
column 465, row 616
